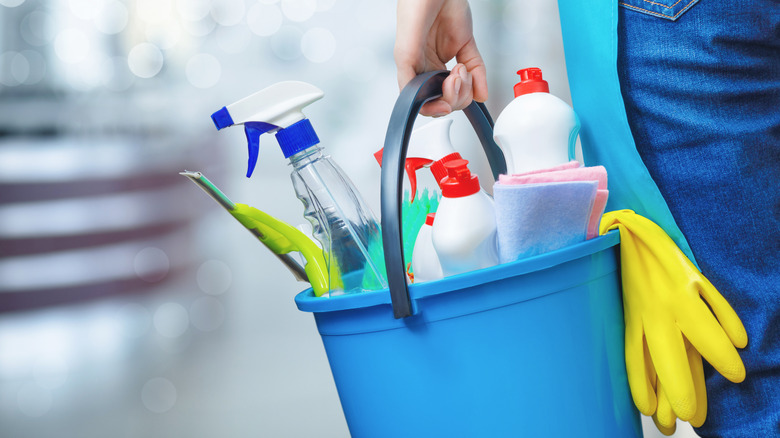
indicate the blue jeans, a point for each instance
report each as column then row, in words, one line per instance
column 701, row 84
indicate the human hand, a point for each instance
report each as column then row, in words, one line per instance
column 429, row 33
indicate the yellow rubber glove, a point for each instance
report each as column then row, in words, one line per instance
column 664, row 298
column 664, row 418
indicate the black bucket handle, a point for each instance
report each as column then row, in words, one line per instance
column 421, row 89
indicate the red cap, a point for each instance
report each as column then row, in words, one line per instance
column 437, row 167
column 429, row 218
column 460, row 181
column 531, row 82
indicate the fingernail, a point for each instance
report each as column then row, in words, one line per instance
column 440, row 114
column 463, row 73
column 458, row 83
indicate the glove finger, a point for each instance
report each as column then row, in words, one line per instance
column 640, row 382
column 670, row 360
column 664, row 417
column 706, row 335
column 724, row 312
column 697, row 372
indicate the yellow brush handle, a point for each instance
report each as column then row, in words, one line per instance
column 282, row 238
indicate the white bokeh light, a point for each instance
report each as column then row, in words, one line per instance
column 84, row 9
column 171, row 320
column 151, row 264
column 158, row 395
column 203, row 70
column 164, row 36
column 37, row 28
column 193, row 10
column 34, row 400
column 214, row 277
column 325, row 5
column 15, row 68
column 286, row 43
column 200, row 28
column 228, row 12
column 11, row 3
column 113, row 17
column 37, row 66
column 318, row 45
column 154, row 11
column 233, row 39
column 264, row 20
column 71, row 45
column 207, row 314
column 6, row 59
column 299, row 10
column 145, row 60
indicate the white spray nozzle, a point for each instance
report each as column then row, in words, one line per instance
column 272, row 109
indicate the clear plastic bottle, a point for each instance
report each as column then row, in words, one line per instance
column 347, row 229
column 342, row 222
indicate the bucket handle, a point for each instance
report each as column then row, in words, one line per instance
column 421, row 89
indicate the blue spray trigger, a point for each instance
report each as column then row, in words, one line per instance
column 253, row 132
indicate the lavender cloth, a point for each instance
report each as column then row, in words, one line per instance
column 533, row 219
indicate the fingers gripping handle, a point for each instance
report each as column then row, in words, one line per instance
column 421, row 89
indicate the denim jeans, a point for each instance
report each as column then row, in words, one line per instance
column 701, row 85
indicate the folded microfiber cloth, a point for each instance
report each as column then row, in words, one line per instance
column 570, row 165
column 572, row 173
column 533, row 219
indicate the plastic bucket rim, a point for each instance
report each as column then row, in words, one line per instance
column 307, row 302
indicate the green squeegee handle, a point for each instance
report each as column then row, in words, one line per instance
column 421, row 89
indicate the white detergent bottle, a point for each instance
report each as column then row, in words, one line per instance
column 464, row 232
column 425, row 261
column 346, row 228
column 429, row 146
column 536, row 130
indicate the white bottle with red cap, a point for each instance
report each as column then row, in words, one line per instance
column 425, row 261
column 429, row 146
column 536, row 130
column 464, row 232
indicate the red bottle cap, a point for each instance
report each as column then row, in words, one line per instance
column 460, row 181
column 437, row 167
column 429, row 218
column 531, row 82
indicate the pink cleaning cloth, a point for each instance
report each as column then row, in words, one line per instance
column 570, row 171
column 570, row 165
column 599, row 204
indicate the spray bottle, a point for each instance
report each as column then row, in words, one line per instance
column 536, row 130
column 429, row 146
column 342, row 222
column 425, row 261
column 464, row 232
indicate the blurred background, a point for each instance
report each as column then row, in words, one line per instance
column 131, row 305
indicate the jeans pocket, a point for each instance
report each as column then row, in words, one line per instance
column 669, row 9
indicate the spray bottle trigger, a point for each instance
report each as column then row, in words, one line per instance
column 412, row 165
column 253, row 132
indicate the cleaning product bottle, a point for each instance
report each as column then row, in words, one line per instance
column 429, row 146
column 536, row 130
column 425, row 261
column 342, row 222
column 464, row 232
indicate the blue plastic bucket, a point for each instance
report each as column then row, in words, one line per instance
column 531, row 348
